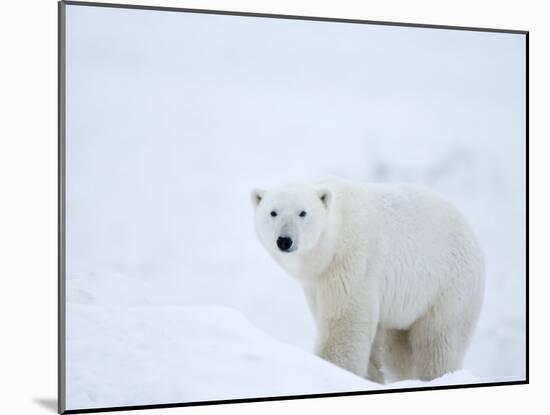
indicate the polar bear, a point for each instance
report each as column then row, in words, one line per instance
column 393, row 274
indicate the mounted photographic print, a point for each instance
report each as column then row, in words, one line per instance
column 258, row 207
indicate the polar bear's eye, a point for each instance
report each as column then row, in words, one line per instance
column 303, row 213
column 273, row 213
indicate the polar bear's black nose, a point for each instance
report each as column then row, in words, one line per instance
column 284, row 243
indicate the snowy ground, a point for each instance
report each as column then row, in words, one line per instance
column 172, row 119
column 191, row 354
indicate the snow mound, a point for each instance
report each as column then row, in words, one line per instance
column 126, row 355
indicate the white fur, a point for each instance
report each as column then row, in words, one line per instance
column 393, row 274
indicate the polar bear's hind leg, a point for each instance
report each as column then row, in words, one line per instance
column 439, row 342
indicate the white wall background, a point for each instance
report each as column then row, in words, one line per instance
column 29, row 229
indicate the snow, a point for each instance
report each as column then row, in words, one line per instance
column 172, row 119
column 204, row 353
column 192, row 354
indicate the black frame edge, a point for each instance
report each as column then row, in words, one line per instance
column 292, row 397
column 61, row 207
column 290, row 17
column 527, row 120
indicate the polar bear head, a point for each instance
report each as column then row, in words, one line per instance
column 291, row 220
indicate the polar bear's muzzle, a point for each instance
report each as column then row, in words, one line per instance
column 285, row 244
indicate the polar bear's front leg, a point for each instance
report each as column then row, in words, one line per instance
column 346, row 328
column 346, row 343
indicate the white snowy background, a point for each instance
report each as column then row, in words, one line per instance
column 172, row 119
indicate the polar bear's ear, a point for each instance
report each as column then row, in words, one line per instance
column 256, row 196
column 326, row 196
